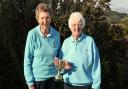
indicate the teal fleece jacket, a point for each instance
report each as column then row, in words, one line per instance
column 39, row 54
column 84, row 58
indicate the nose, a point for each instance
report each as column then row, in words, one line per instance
column 77, row 26
column 45, row 21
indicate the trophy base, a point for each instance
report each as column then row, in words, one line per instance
column 58, row 78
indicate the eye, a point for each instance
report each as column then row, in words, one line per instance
column 79, row 24
column 42, row 18
column 73, row 25
column 47, row 18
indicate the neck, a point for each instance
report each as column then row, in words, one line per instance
column 45, row 32
column 75, row 37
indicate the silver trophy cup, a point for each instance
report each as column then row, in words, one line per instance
column 59, row 67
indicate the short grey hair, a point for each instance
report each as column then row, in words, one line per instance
column 42, row 7
column 76, row 15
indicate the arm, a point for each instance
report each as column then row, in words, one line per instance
column 67, row 65
column 96, row 68
column 58, row 45
column 28, row 59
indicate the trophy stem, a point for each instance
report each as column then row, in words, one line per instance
column 59, row 68
column 58, row 77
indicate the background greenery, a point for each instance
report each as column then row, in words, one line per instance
column 108, row 28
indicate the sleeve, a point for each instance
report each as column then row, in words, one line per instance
column 59, row 47
column 96, row 68
column 62, row 51
column 28, row 59
column 61, row 56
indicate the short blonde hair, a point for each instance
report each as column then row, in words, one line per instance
column 42, row 7
column 76, row 15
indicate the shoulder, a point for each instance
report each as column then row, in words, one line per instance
column 67, row 40
column 54, row 31
column 87, row 38
column 33, row 32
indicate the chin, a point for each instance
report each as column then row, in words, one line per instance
column 77, row 34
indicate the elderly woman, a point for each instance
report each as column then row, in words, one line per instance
column 42, row 45
column 82, row 54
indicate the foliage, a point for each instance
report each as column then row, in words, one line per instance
column 115, row 16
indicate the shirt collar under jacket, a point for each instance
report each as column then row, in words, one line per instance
column 79, row 39
column 39, row 31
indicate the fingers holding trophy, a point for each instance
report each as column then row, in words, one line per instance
column 60, row 66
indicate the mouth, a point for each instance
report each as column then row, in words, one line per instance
column 78, row 30
column 46, row 25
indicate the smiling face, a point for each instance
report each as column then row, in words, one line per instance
column 44, row 20
column 76, row 27
column 76, row 24
column 43, row 14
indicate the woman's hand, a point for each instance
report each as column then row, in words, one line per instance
column 32, row 87
column 67, row 65
column 56, row 61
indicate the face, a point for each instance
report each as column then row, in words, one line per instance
column 44, row 20
column 76, row 27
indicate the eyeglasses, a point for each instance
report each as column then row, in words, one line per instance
column 79, row 25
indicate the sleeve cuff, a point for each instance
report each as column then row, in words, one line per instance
column 30, row 84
